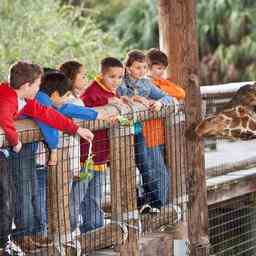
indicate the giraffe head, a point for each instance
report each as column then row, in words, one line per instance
column 245, row 96
column 214, row 125
column 236, row 120
column 234, row 123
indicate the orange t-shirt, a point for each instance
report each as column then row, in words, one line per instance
column 153, row 130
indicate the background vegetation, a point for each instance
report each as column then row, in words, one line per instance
column 51, row 31
column 49, row 34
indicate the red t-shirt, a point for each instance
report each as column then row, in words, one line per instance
column 9, row 112
column 97, row 95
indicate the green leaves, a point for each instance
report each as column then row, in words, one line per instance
column 227, row 38
column 49, row 34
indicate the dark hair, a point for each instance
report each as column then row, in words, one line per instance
column 55, row 81
column 110, row 62
column 23, row 72
column 48, row 70
column 155, row 56
column 71, row 69
column 134, row 55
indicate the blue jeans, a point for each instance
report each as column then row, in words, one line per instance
column 159, row 176
column 78, row 190
column 40, row 200
column 7, row 202
column 155, row 175
column 92, row 214
column 22, row 167
column 78, row 193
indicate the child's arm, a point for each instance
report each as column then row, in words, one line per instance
column 49, row 116
column 7, row 124
column 159, row 95
column 122, row 90
column 75, row 111
column 170, row 88
column 50, row 134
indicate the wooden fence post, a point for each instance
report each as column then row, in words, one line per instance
column 123, row 187
column 178, row 38
column 58, row 204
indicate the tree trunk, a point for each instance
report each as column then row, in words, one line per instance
column 178, row 39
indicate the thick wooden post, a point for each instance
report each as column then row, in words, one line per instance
column 58, row 204
column 178, row 38
column 123, row 188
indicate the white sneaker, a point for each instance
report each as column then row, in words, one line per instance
column 146, row 208
column 12, row 249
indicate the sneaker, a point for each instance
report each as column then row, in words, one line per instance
column 12, row 249
column 147, row 209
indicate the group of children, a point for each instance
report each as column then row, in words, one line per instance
column 52, row 98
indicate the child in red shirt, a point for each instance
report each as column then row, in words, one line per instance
column 17, row 100
column 101, row 92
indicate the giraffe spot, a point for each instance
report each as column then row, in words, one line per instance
column 235, row 123
column 230, row 113
column 245, row 121
column 241, row 111
column 247, row 135
column 252, row 125
column 236, row 133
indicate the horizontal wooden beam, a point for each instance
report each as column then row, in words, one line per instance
column 29, row 132
column 231, row 185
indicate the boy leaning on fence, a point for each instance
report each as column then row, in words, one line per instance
column 56, row 91
column 17, row 101
column 101, row 92
column 150, row 161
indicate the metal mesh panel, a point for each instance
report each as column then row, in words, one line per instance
column 58, row 209
column 232, row 227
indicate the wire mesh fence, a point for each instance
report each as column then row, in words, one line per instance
column 230, row 167
column 129, row 182
column 232, row 227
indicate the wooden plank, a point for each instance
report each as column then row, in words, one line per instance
column 29, row 132
column 230, row 186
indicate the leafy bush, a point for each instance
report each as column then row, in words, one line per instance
column 48, row 34
column 227, row 40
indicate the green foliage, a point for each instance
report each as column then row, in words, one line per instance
column 137, row 25
column 47, row 34
column 227, row 36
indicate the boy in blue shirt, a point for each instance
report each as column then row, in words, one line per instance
column 55, row 91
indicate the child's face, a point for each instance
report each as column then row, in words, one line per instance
column 137, row 70
column 112, row 77
column 60, row 100
column 157, row 70
column 80, row 80
column 31, row 89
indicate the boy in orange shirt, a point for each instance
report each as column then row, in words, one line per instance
column 157, row 63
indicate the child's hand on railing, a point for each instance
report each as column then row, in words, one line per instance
column 17, row 148
column 53, row 157
column 126, row 99
column 155, row 105
column 142, row 100
column 107, row 117
column 85, row 134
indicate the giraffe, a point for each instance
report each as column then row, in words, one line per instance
column 236, row 121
